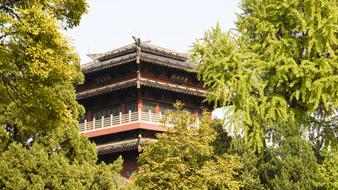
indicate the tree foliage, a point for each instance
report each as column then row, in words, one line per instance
column 291, row 164
column 249, row 175
column 329, row 169
column 280, row 68
column 184, row 157
column 40, row 144
column 277, row 74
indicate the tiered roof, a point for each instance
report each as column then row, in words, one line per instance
column 148, row 52
column 172, row 87
column 106, row 89
column 144, row 82
column 125, row 145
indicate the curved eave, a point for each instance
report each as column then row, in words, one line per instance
column 172, row 87
column 131, row 144
column 131, row 48
column 105, row 89
column 167, row 62
column 143, row 82
column 98, row 66
column 157, row 50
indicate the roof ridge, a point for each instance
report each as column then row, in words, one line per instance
column 166, row 50
column 96, row 56
column 144, row 45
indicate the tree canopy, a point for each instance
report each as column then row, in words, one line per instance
column 40, row 144
column 185, row 157
column 277, row 74
column 279, row 67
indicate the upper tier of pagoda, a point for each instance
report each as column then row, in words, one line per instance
column 131, row 87
column 139, row 64
column 145, row 51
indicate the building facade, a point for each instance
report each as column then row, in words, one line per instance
column 127, row 91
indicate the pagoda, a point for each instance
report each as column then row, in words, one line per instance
column 127, row 91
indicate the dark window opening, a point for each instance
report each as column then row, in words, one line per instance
column 131, row 106
column 102, row 112
column 147, row 105
column 166, row 107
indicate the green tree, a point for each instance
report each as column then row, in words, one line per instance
column 329, row 169
column 249, row 175
column 40, row 144
column 278, row 71
column 290, row 164
column 279, row 68
column 184, row 157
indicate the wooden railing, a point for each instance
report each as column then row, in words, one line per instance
column 115, row 120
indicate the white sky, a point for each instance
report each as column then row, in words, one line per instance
column 173, row 24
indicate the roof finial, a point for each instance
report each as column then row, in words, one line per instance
column 138, row 45
column 137, row 41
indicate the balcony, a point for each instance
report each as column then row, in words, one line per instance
column 148, row 118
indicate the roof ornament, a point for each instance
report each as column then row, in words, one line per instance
column 138, row 45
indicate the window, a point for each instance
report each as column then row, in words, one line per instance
column 165, row 107
column 102, row 112
column 132, row 106
column 147, row 105
column 116, row 110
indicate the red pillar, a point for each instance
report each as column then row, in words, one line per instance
column 139, row 104
column 89, row 118
column 196, row 114
column 123, row 108
column 157, row 108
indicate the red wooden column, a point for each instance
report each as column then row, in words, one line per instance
column 123, row 108
column 138, row 86
column 157, row 108
column 139, row 94
column 139, row 103
column 89, row 118
column 196, row 114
